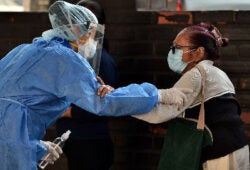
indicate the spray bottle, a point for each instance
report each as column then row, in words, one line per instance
column 59, row 141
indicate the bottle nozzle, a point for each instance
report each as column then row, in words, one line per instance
column 65, row 136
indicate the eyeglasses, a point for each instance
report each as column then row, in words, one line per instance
column 173, row 47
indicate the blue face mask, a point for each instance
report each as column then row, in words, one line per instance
column 175, row 62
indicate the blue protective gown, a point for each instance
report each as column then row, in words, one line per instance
column 38, row 82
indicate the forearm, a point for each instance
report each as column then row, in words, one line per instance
column 161, row 113
column 164, row 112
column 132, row 99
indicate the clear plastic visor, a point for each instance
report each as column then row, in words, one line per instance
column 90, row 44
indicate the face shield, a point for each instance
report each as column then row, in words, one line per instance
column 77, row 23
column 90, row 46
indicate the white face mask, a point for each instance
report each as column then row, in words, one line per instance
column 175, row 62
column 88, row 49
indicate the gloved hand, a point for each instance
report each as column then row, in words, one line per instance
column 54, row 151
column 174, row 96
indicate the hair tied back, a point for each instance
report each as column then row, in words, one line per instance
column 220, row 40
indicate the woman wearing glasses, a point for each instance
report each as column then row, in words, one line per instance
column 199, row 45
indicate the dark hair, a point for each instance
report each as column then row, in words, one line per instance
column 209, row 37
column 96, row 8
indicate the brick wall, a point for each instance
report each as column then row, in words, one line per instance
column 139, row 42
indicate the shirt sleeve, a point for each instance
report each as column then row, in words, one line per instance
column 165, row 112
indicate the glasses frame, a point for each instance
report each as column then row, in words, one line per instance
column 173, row 47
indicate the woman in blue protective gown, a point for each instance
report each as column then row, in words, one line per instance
column 37, row 86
